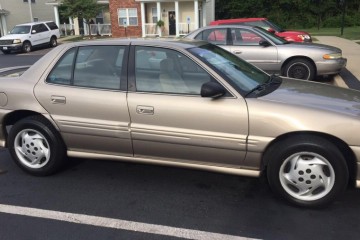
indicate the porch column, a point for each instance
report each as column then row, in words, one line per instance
column 56, row 14
column 204, row 14
column 196, row 15
column 4, row 27
column 177, row 18
column 158, row 12
column 143, row 26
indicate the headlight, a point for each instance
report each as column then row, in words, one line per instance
column 332, row 56
column 304, row 36
column 17, row 41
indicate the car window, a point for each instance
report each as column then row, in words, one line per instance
column 95, row 67
column 239, row 73
column 52, row 25
column 215, row 36
column 39, row 28
column 246, row 37
column 167, row 71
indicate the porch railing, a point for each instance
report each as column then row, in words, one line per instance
column 151, row 30
column 185, row 28
column 100, row 29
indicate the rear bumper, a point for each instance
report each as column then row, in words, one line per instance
column 329, row 67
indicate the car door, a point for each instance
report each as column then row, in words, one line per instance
column 171, row 121
column 35, row 35
column 83, row 96
column 244, row 43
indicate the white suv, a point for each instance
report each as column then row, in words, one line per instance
column 25, row 36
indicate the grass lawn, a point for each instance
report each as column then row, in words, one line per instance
column 352, row 33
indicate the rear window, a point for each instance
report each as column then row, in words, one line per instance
column 52, row 25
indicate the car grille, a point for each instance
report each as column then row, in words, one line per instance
column 6, row 42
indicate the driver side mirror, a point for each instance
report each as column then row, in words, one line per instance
column 264, row 43
column 33, row 31
column 212, row 90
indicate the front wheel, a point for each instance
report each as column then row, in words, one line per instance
column 308, row 172
column 36, row 146
column 53, row 42
column 300, row 69
column 26, row 47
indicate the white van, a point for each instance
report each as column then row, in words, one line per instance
column 24, row 37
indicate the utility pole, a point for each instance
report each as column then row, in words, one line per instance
column 30, row 9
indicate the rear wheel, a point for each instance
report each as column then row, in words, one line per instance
column 308, row 172
column 36, row 146
column 26, row 47
column 300, row 69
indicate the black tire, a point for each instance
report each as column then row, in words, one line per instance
column 299, row 68
column 306, row 171
column 53, row 41
column 26, row 47
column 5, row 51
column 36, row 146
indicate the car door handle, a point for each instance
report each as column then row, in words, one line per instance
column 145, row 110
column 237, row 52
column 58, row 99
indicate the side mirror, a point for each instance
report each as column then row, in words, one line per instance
column 271, row 30
column 212, row 90
column 264, row 43
column 33, row 31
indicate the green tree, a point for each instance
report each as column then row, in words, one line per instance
column 82, row 9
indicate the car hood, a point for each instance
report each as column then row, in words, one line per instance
column 292, row 32
column 317, row 96
column 12, row 36
column 313, row 46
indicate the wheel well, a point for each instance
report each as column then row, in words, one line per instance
column 298, row 57
column 342, row 146
column 13, row 117
column 53, row 36
column 27, row 41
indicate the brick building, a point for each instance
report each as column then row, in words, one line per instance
column 138, row 18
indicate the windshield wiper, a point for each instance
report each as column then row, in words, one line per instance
column 273, row 79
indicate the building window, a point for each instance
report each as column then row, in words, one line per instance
column 154, row 15
column 32, row 1
column 128, row 16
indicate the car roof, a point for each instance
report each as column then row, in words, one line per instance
column 33, row 23
column 171, row 43
column 235, row 20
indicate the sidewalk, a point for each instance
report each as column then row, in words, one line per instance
column 351, row 51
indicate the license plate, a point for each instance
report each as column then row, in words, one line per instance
column 4, row 48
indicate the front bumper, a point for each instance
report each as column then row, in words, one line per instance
column 12, row 47
column 330, row 67
column 356, row 151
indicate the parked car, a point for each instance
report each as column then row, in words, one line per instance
column 289, row 35
column 185, row 104
column 274, row 54
column 24, row 37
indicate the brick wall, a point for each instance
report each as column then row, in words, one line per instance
column 119, row 31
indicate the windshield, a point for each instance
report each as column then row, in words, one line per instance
column 274, row 38
column 239, row 73
column 274, row 26
column 20, row 30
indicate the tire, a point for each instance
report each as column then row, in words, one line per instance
column 26, row 47
column 36, row 146
column 53, row 42
column 300, row 69
column 307, row 171
column 5, row 51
